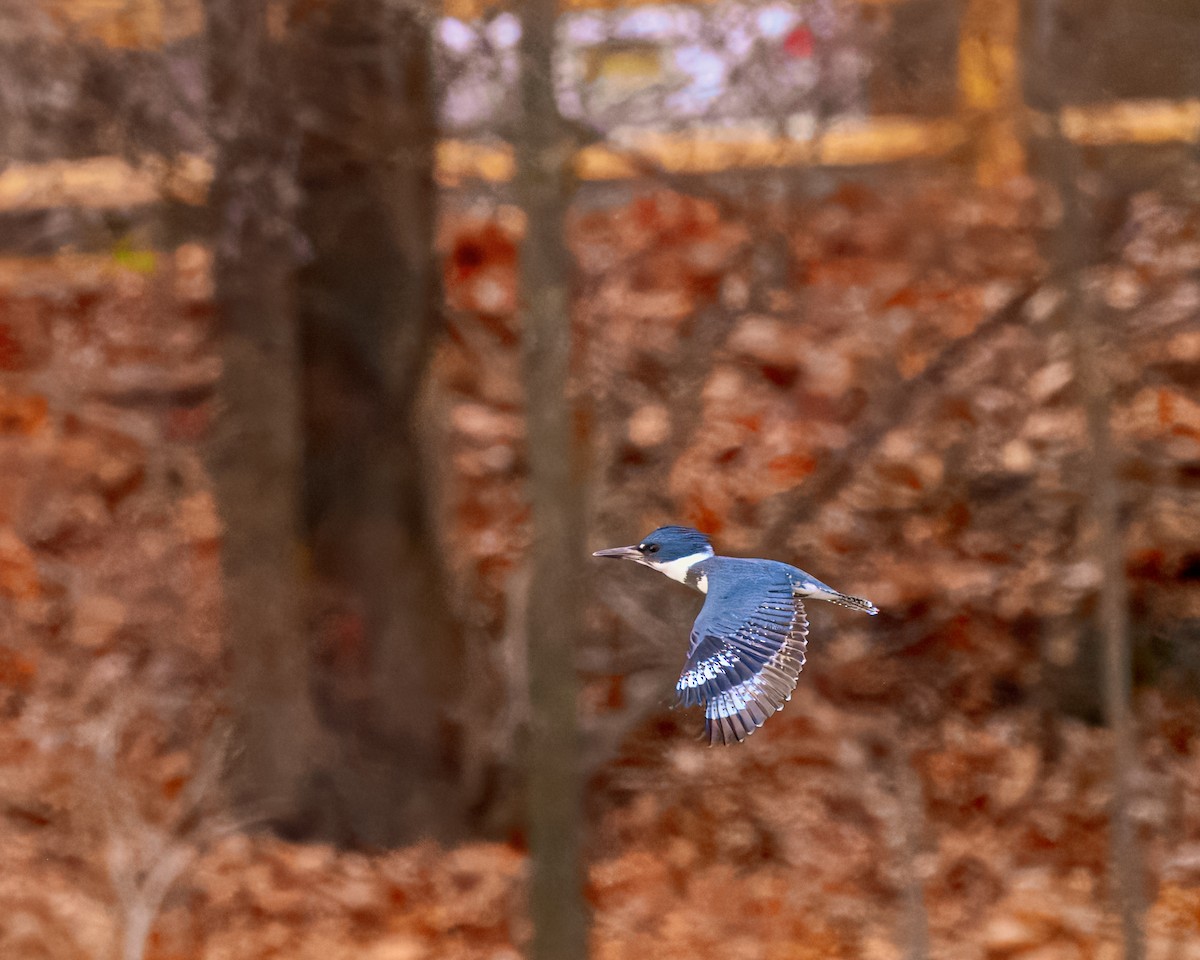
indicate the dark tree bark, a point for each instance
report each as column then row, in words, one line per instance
column 554, row 801
column 368, row 307
column 256, row 443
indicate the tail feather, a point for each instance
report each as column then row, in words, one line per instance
column 854, row 603
column 807, row 586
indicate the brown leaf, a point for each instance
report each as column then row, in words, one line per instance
column 16, row 670
column 22, row 413
column 18, row 569
column 792, row 466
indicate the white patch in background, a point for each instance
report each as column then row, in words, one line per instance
column 504, row 31
column 774, row 21
column 456, row 35
column 678, row 569
column 706, row 70
column 585, row 28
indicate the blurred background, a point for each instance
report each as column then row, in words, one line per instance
column 302, row 649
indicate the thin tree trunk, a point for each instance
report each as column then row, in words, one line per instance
column 910, row 803
column 369, row 317
column 553, row 785
column 1104, row 496
column 1075, row 249
column 256, row 446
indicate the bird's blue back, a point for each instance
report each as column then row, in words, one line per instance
column 737, row 574
column 737, row 587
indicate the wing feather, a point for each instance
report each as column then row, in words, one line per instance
column 747, row 651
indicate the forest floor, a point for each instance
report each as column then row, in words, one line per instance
column 942, row 779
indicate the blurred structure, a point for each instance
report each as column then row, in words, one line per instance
column 905, row 292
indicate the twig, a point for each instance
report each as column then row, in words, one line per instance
column 144, row 859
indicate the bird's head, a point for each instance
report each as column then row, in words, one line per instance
column 665, row 549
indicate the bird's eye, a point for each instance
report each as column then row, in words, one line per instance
column 651, row 548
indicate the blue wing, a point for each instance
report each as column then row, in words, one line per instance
column 746, row 653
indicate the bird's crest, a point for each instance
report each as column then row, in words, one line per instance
column 682, row 537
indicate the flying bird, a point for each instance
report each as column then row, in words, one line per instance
column 748, row 642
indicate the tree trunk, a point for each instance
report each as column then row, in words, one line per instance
column 1108, row 553
column 256, row 445
column 553, row 783
column 1075, row 248
column 368, row 308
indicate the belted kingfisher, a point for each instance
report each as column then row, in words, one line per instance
column 748, row 642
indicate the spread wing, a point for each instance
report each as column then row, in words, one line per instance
column 746, row 654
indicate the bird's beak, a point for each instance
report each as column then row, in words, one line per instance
column 621, row 553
